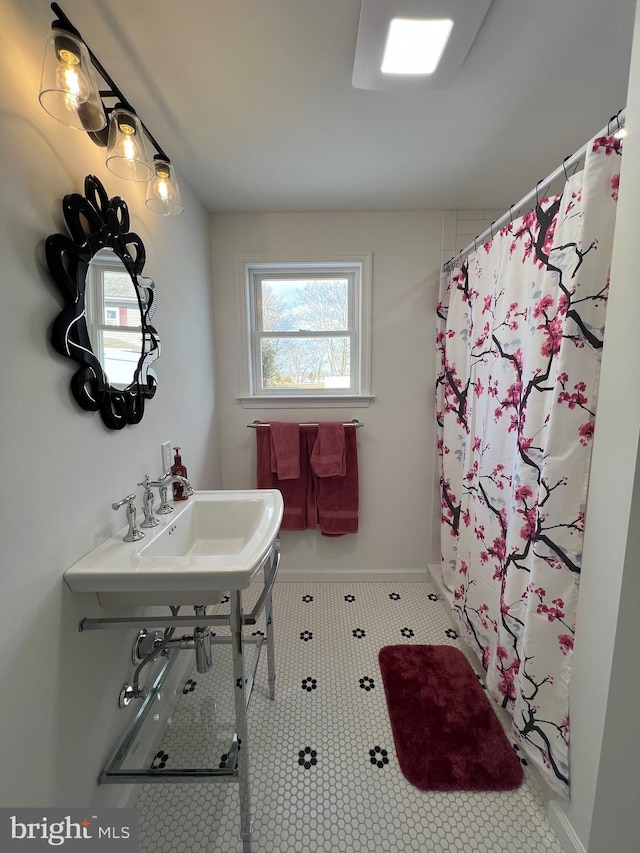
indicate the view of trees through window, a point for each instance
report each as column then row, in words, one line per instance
column 305, row 336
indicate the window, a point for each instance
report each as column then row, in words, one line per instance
column 307, row 331
column 113, row 317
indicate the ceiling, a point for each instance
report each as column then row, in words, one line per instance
column 253, row 102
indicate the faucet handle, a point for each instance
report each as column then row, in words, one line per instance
column 134, row 533
column 128, row 500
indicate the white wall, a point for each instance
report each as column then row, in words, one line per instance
column 61, row 468
column 603, row 815
column 396, row 456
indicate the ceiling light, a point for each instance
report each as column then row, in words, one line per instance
column 456, row 21
column 414, row 46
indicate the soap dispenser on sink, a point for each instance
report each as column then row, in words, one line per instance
column 179, row 470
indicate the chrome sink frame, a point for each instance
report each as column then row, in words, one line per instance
column 237, row 764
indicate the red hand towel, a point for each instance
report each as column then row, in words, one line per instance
column 285, row 450
column 328, row 454
column 337, row 497
column 294, row 492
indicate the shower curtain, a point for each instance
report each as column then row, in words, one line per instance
column 520, row 335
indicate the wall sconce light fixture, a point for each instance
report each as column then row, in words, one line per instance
column 127, row 154
column 69, row 92
column 163, row 194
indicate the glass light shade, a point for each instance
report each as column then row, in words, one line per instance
column 127, row 154
column 163, row 194
column 68, row 88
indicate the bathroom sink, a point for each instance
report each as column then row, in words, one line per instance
column 213, row 542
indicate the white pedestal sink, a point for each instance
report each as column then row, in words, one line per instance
column 213, row 542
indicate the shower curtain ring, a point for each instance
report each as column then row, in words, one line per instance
column 564, row 167
column 537, row 188
column 491, row 228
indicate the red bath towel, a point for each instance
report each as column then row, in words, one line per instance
column 337, row 497
column 328, row 457
column 294, row 492
column 285, row 450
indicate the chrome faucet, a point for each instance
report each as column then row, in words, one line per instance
column 147, row 504
column 162, row 483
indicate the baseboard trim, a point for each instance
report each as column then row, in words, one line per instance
column 435, row 574
column 401, row 576
column 564, row 831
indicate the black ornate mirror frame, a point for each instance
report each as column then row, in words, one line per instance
column 97, row 222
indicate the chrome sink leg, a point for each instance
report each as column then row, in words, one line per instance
column 237, row 648
column 271, row 655
column 202, row 642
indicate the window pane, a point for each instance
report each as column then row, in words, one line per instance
column 120, row 352
column 306, row 363
column 304, row 304
column 121, row 306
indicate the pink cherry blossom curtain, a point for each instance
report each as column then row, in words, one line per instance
column 521, row 326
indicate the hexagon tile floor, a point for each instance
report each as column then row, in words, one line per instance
column 324, row 775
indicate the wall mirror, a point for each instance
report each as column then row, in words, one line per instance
column 105, row 325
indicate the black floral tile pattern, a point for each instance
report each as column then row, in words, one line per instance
column 307, row 757
column 521, row 757
column 322, row 770
column 159, row 760
column 378, row 756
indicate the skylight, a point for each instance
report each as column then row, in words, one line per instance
column 415, row 46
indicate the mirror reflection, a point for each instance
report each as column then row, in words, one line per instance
column 114, row 317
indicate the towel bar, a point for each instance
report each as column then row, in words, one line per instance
column 354, row 423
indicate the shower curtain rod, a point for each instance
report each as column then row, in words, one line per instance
column 573, row 160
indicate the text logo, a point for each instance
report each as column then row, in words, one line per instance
column 105, row 830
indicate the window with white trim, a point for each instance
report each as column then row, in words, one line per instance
column 307, row 330
column 114, row 319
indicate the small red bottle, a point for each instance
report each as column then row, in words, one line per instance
column 178, row 470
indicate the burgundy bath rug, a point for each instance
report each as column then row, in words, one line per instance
column 447, row 735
